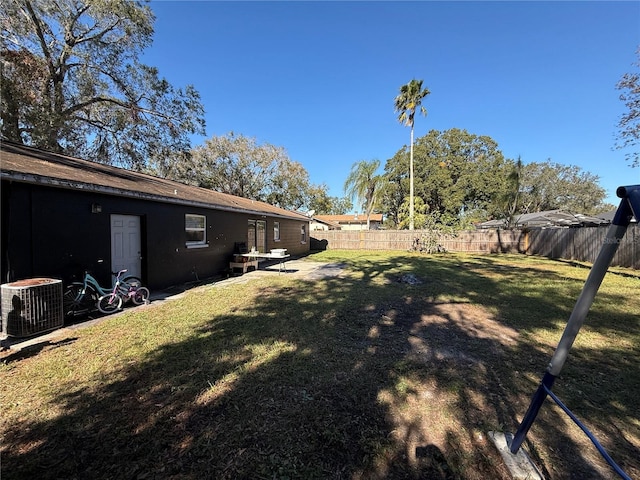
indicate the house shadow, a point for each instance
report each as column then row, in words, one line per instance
column 8, row 355
column 357, row 377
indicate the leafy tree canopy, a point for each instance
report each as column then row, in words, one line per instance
column 72, row 82
column 628, row 136
column 239, row 165
column 550, row 186
column 508, row 202
column 463, row 178
column 456, row 174
column 322, row 204
column 420, row 214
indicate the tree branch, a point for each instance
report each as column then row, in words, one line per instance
column 114, row 101
column 39, row 31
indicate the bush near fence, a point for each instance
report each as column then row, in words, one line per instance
column 581, row 244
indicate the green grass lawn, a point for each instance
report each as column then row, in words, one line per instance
column 397, row 369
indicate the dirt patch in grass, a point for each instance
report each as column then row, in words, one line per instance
column 441, row 425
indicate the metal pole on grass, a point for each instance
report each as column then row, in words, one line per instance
column 629, row 205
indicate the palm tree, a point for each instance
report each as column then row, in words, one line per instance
column 364, row 185
column 406, row 103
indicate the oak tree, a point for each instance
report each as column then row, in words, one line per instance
column 458, row 175
column 240, row 165
column 323, row 204
column 552, row 186
column 72, row 82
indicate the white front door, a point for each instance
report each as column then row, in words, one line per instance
column 125, row 244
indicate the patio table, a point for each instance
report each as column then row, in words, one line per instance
column 281, row 257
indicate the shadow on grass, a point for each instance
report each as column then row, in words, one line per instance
column 360, row 377
column 9, row 356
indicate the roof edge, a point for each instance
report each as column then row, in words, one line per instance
column 90, row 187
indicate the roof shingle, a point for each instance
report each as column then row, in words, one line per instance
column 31, row 165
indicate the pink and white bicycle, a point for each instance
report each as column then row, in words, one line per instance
column 123, row 291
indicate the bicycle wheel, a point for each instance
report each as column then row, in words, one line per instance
column 75, row 303
column 140, row 296
column 110, row 303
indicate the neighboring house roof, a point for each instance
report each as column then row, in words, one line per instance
column 329, row 223
column 608, row 216
column 357, row 218
column 550, row 218
column 30, row 165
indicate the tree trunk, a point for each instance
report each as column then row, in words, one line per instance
column 411, row 181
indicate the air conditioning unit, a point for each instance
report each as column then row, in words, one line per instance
column 31, row 306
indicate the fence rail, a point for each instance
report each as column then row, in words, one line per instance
column 581, row 244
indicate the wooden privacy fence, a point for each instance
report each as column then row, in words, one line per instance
column 477, row 241
column 581, row 244
column 584, row 244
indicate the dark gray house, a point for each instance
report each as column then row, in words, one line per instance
column 63, row 215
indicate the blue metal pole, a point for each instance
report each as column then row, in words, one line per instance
column 532, row 412
column 630, row 202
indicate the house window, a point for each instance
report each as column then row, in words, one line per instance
column 195, row 228
column 261, row 235
column 303, row 234
column 276, row 231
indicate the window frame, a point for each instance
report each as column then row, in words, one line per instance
column 303, row 233
column 188, row 230
column 261, row 234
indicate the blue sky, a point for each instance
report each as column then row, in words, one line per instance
column 320, row 78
